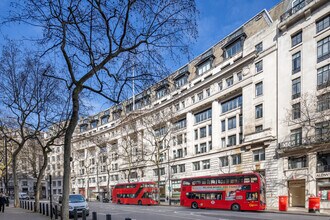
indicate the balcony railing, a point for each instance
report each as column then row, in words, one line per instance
column 323, row 168
column 307, row 141
column 295, row 9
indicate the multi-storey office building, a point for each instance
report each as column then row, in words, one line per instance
column 227, row 111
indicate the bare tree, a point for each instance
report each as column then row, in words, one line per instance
column 100, row 42
column 159, row 128
column 30, row 100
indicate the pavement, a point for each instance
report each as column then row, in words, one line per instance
column 12, row 213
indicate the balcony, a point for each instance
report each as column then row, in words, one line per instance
column 306, row 142
column 323, row 168
column 295, row 9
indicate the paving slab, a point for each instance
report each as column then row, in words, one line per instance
column 12, row 213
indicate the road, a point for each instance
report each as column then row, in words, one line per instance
column 120, row 212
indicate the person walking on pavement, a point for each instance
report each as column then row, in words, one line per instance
column 2, row 202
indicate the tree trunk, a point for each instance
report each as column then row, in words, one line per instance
column 16, row 188
column 108, row 185
column 67, row 152
column 40, row 177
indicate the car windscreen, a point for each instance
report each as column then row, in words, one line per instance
column 76, row 198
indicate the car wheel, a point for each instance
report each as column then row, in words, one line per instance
column 194, row 205
column 139, row 202
column 235, row 207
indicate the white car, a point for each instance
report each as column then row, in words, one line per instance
column 76, row 202
column 23, row 195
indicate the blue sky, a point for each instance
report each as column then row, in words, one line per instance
column 217, row 19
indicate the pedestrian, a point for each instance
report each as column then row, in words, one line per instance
column 2, row 202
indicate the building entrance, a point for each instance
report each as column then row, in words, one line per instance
column 297, row 193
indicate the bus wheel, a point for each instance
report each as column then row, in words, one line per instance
column 235, row 207
column 139, row 202
column 194, row 205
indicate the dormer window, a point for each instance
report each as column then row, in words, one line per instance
column 182, row 80
column 233, row 49
column 83, row 127
column 205, row 63
column 104, row 119
column 162, row 90
column 297, row 5
column 94, row 123
column 204, row 67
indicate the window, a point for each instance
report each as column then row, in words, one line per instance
column 223, row 161
column 161, row 92
column 200, row 96
column 192, row 99
column 297, row 162
column 220, row 86
column 83, row 128
column 181, row 124
column 323, row 49
column 182, row 168
column 259, row 128
column 259, row 66
column 259, row 47
column 203, row 148
column 231, row 123
column 296, row 110
column 232, row 104
column 104, row 119
column 196, row 134
column 259, row 89
column 223, row 125
column 296, row 62
column 174, row 169
column 161, row 171
column 259, row 111
column 296, row 39
column 230, row 81
column 210, row 145
column 239, row 76
column 210, row 130
column 196, row 149
column 323, row 24
column 202, row 132
column 236, row 159
column 232, row 140
column 204, row 115
column 233, row 49
column 208, row 92
column 296, row 137
column 323, row 77
column 240, row 120
column 296, row 88
column 322, row 131
column 181, row 81
column 223, row 142
column 323, row 102
column 196, row 165
column 259, row 155
column 297, row 5
column 206, row 164
column 202, row 68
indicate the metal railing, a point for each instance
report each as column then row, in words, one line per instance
column 307, row 141
column 295, row 9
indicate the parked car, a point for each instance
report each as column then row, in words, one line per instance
column 23, row 196
column 76, row 202
column 105, row 200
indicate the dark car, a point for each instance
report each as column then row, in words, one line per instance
column 105, row 200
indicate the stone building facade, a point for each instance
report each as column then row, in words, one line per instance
column 232, row 109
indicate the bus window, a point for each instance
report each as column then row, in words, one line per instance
column 246, row 179
column 252, row 196
column 213, row 181
column 233, row 180
column 218, row 196
column 186, row 182
column 254, row 179
column 221, row 181
column 246, row 187
column 196, row 182
column 203, row 182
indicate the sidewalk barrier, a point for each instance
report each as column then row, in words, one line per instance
column 314, row 204
column 28, row 206
column 43, row 208
column 84, row 214
column 40, row 208
column 56, row 212
column 107, row 217
column 94, row 216
column 283, row 203
column 47, row 210
column 34, row 206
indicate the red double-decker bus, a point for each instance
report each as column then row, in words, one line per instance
column 140, row 193
column 229, row 191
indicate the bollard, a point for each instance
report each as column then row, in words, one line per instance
column 84, row 214
column 28, row 206
column 75, row 215
column 128, row 219
column 94, row 216
column 34, row 206
column 108, row 217
column 40, row 208
column 43, row 208
column 47, row 210
column 56, row 212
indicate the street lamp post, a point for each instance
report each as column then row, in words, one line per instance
column 169, row 176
